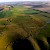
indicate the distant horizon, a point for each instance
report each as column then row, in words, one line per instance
column 26, row 1
column 2, row 1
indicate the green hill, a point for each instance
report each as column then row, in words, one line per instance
column 23, row 22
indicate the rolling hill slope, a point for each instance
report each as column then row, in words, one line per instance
column 22, row 22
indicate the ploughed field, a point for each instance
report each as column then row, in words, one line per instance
column 24, row 22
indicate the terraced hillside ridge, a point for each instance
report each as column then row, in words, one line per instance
column 24, row 28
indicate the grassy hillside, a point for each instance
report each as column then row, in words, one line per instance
column 24, row 22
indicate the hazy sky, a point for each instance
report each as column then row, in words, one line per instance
column 21, row 0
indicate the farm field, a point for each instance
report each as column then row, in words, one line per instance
column 24, row 22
